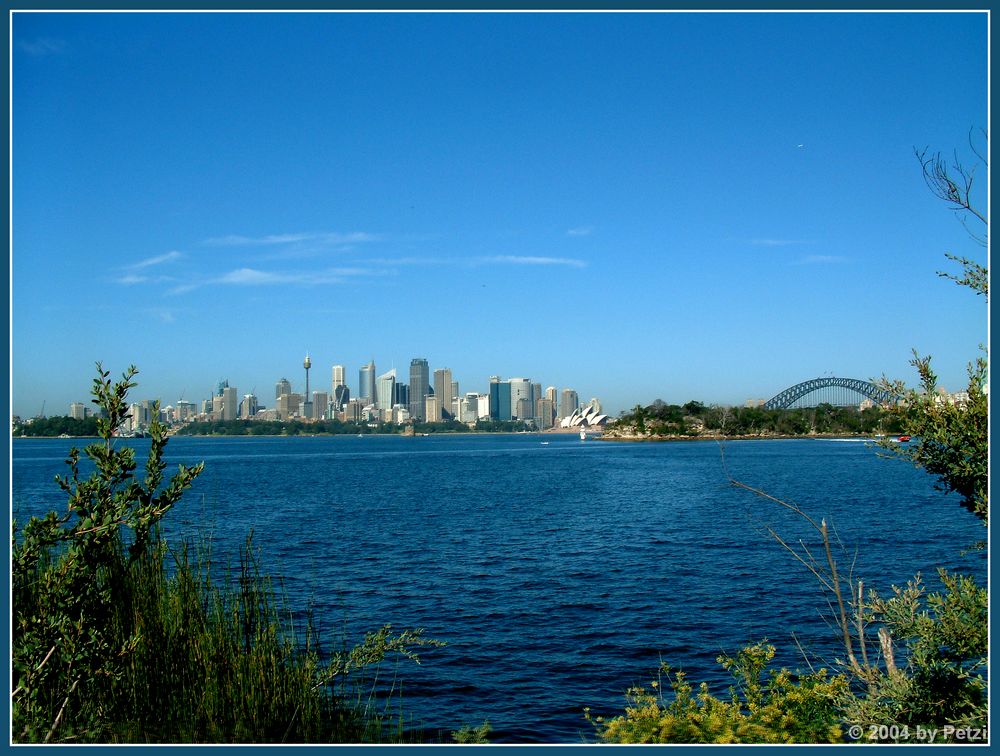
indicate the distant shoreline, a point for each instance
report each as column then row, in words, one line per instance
column 744, row 437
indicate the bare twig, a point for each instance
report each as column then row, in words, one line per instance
column 62, row 708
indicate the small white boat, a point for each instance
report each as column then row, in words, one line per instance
column 583, row 435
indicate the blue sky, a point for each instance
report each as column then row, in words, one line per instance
column 705, row 206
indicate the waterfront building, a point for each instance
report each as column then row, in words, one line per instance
column 230, row 403
column 468, row 411
column 218, row 404
column 336, row 378
column 569, row 402
column 419, row 385
column 385, row 389
column 432, row 409
column 366, row 383
column 500, row 406
column 525, row 409
column 482, row 406
column 520, row 389
column 282, row 387
column 400, row 414
column 543, row 414
column 442, row 390
column 553, row 397
column 248, row 407
column 319, row 405
column 78, row 411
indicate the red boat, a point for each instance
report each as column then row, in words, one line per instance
column 903, row 439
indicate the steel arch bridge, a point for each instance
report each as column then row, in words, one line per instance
column 792, row 394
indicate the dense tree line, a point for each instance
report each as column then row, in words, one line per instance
column 695, row 418
column 57, row 426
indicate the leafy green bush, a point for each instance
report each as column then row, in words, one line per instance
column 118, row 639
column 772, row 706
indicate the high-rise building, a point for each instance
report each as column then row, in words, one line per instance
column 552, row 396
column 500, row 407
column 442, row 390
column 319, row 405
column 401, row 396
column 78, row 411
column 520, row 390
column 568, row 402
column 336, row 378
column 385, row 389
column 432, row 409
column 419, row 384
column 483, row 407
column 289, row 405
column 185, row 410
column 248, row 407
column 468, row 412
column 366, row 383
column 543, row 414
column 352, row 410
column 230, row 403
column 341, row 396
column 282, row 387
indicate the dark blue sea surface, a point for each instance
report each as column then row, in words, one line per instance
column 559, row 572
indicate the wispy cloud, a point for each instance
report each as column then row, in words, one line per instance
column 519, row 260
column 133, row 279
column 158, row 260
column 257, row 277
column 778, row 242
column 235, row 240
column 41, row 46
column 580, row 231
column 821, row 260
column 161, row 314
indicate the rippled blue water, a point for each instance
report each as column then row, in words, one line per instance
column 559, row 573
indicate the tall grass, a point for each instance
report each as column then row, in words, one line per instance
column 117, row 638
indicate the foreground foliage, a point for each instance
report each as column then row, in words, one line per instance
column 763, row 707
column 118, row 639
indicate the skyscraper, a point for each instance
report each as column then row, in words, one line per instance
column 442, row 390
column 336, row 379
column 319, row 405
column 230, row 404
column 401, row 395
column 385, row 388
column 366, row 383
column 432, row 409
column 568, row 402
column 500, row 407
column 341, row 396
column 520, row 389
column 248, row 407
column 419, row 383
column 282, row 387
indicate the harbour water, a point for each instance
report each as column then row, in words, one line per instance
column 558, row 573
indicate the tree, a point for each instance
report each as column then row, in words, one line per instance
column 951, row 438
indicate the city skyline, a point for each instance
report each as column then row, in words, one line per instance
column 676, row 206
